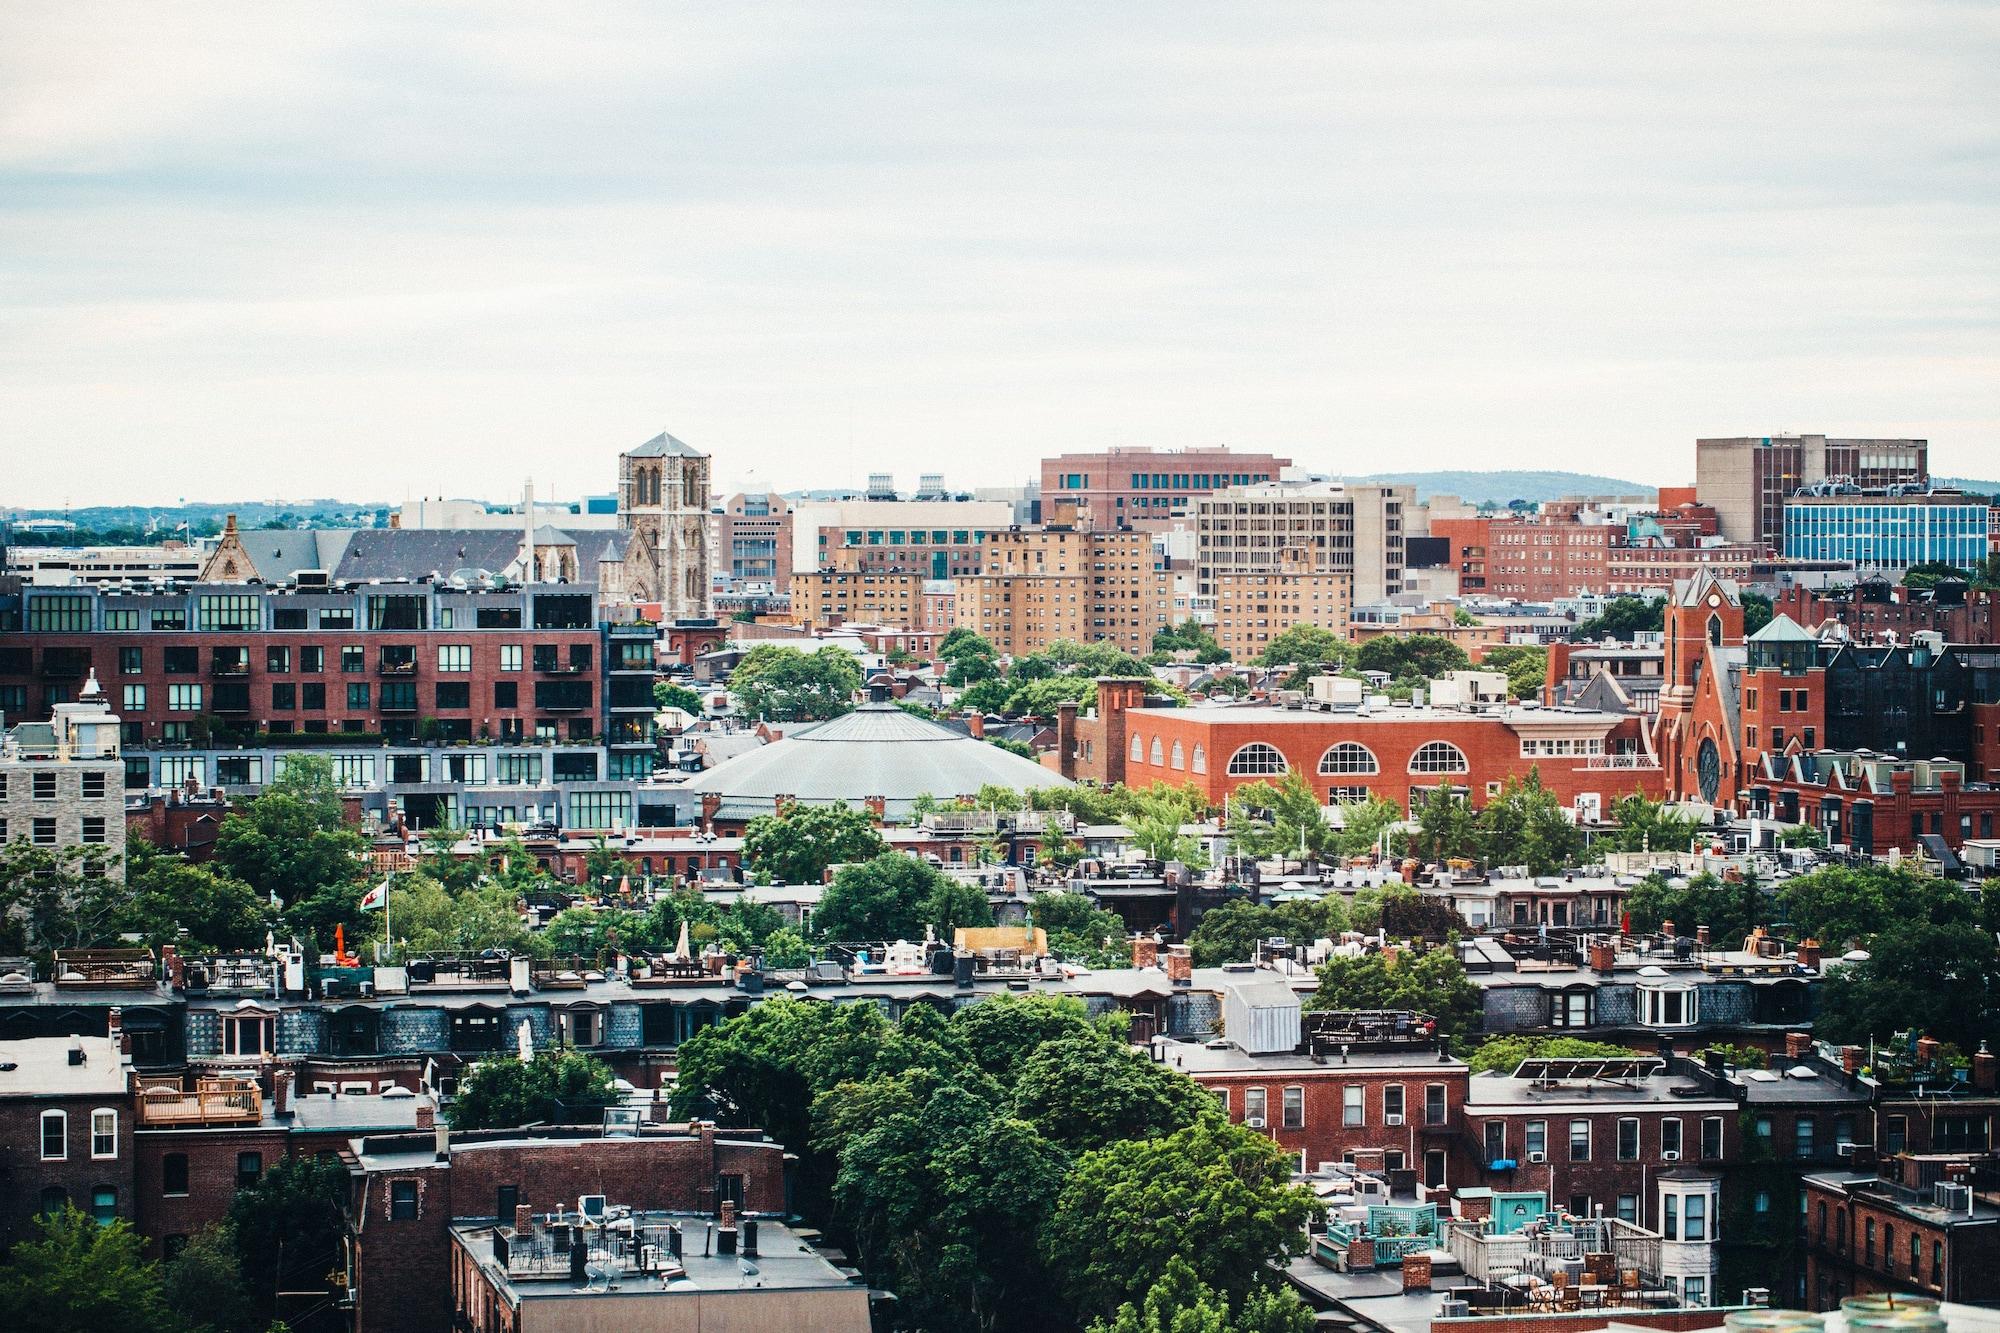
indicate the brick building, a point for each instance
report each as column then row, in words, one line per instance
column 1147, row 487
column 1251, row 609
column 1529, row 559
column 65, row 1131
column 1916, row 1225
column 1059, row 581
column 1873, row 608
column 409, row 1190
column 825, row 599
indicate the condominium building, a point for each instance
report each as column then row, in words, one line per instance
column 1748, row 478
column 1136, row 487
column 1252, row 609
column 848, row 590
column 1039, row 585
column 938, row 539
column 1351, row 528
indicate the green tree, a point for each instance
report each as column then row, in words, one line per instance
column 1180, row 1302
column 1446, row 827
column 1042, row 698
column 1155, row 817
column 429, row 918
column 1503, row 1055
column 893, row 897
column 203, row 1285
column 57, row 897
column 778, row 683
column 76, row 1276
column 1283, row 818
column 1646, row 825
column 1427, row 981
column 1623, row 618
column 1306, row 645
column 799, row 844
column 1526, row 665
column 1730, row 911
column 1087, row 1088
column 785, row 947
column 173, row 900
column 1190, row 636
column 1412, row 657
column 1362, row 824
column 1757, row 611
column 667, row 694
column 1926, row 976
column 555, row 1086
column 968, row 659
column 288, row 1228
column 603, row 866
column 1079, row 928
column 1525, row 826
column 293, row 840
column 1217, row 1195
column 1843, row 906
column 1230, row 933
column 1095, row 659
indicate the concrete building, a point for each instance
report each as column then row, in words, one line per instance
column 1748, row 478
column 938, row 539
column 751, row 535
column 663, row 502
column 59, row 566
column 1351, row 528
column 62, row 781
column 824, row 599
column 1038, row 585
column 1142, row 487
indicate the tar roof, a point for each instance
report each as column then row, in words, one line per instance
column 40, row 1067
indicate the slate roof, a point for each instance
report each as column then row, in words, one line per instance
column 664, row 445
column 279, row 553
column 1783, row 629
column 411, row 553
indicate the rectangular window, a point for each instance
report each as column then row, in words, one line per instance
column 284, row 697
column 312, row 696
column 1711, row 1138
column 181, row 661
column 1535, row 1140
column 124, row 619
column 55, row 1136
column 1670, row 1215
column 183, row 698
column 1802, row 1135
column 1494, row 1134
column 1353, row 1110
column 131, row 661
column 103, row 1134
column 233, row 612
column 336, row 617
column 510, row 657
column 357, row 696
column 93, row 830
column 312, row 660
column 1694, row 1218
column 44, row 831
column 93, row 786
column 1295, row 1108
column 174, row 1173
column 454, row 657
column 61, row 612
column 1670, row 1138
column 249, row 1170
column 506, row 694
column 454, row 694
column 1392, row 1103
column 278, row 659
column 1254, row 1107
column 1434, row 1104
column 1628, row 1139
column 134, row 698
column 1579, row 1140
column 353, row 659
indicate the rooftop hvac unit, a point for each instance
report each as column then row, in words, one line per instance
column 1454, row 1310
column 591, row 1206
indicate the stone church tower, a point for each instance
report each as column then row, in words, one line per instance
column 663, row 502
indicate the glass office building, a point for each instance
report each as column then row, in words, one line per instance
column 1881, row 532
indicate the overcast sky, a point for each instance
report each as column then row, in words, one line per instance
column 370, row 252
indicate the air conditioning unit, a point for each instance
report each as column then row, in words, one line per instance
column 1254, row 1121
column 1538, row 1157
column 1670, row 1155
column 1392, row 1119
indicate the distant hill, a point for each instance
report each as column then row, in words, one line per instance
column 1969, row 486
column 1500, row 487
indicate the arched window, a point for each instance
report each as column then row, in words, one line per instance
column 1439, row 757
column 1256, row 760
column 1199, row 764
column 1348, row 757
column 1178, row 759
column 1715, row 630
column 1159, row 755
column 1138, row 755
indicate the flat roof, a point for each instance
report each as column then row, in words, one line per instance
column 40, row 1067
column 1660, row 1091
column 1266, row 714
column 1202, row 1058
column 783, row 1262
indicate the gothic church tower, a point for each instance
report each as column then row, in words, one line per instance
column 663, row 502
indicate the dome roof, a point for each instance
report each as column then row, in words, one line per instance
column 876, row 750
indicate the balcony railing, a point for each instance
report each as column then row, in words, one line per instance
column 228, row 668
column 215, row 1101
column 397, row 668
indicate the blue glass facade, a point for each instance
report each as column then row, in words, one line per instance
column 1872, row 533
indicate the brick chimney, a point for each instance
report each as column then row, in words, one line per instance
column 1066, row 738
column 1927, row 1049
column 975, row 725
column 711, row 805
column 114, row 1023
column 783, row 802
column 524, row 1219
column 1850, row 1059
column 426, row 1114
column 281, row 1093
column 1473, row 1208
column 1809, row 954
column 1667, row 929
column 1145, row 951
column 171, row 964
column 1798, row 1045
column 1180, row 965
column 1603, row 957
column 876, row 806
column 1416, row 1272
column 1701, row 936
column 1985, row 1069
column 1361, row 1253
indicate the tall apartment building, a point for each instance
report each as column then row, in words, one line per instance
column 938, row 539
column 845, row 591
column 1352, row 528
column 1252, row 609
column 1038, row 585
column 62, row 781
column 751, row 534
column 1748, row 478
column 1132, row 487
column 1529, row 559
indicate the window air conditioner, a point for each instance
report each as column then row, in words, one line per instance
column 1670, row 1155
column 1538, row 1157
column 1392, row 1119
column 1254, row 1121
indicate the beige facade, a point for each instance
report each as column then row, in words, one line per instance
column 1039, row 585
column 848, row 593
column 1350, row 528
column 663, row 501
column 1748, row 478
column 62, row 782
column 1253, row 609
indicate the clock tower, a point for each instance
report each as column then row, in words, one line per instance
column 1694, row 735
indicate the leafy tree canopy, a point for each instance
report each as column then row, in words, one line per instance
column 893, row 897
column 1429, row 981
column 1190, row 636
column 797, row 845
column 1412, row 657
column 1180, row 1302
column 667, row 694
column 1623, row 617
column 556, row 1087
column 76, row 1276
column 293, row 841
column 1526, row 666
column 1306, row 645
column 1505, row 1054
column 1230, row 933
column 780, row 683
column 288, row 1227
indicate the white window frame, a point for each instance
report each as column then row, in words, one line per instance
column 1292, row 1106
column 61, row 1120
column 1350, row 754
column 98, row 1118
column 1439, row 757
column 1255, row 752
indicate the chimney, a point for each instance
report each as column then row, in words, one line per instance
column 711, row 806
column 749, row 1238
column 782, row 803
column 426, row 1114
column 1701, row 937
column 1180, row 965
column 1145, row 951
column 1667, row 929
column 1985, row 1069
column 1809, row 954
column 524, row 1219
column 171, row 964
column 443, row 1140
column 1850, row 1059
column 115, row 1029
column 1416, row 1272
column 875, row 805
column 725, row 1235
column 1927, row 1049
column 1360, row 1254
column 281, row 1094
column 975, row 725
column 1798, row 1045
column 1603, row 957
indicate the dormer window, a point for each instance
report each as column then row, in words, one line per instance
column 1669, row 1005
column 249, row 1032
